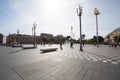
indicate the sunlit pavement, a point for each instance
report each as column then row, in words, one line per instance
column 93, row 63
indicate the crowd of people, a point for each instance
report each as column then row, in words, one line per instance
column 71, row 45
column 113, row 43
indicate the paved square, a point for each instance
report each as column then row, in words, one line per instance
column 68, row 64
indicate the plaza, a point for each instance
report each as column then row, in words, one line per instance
column 92, row 63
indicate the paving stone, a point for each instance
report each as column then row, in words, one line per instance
column 79, row 77
column 89, row 73
column 72, row 76
column 87, row 78
column 66, row 64
column 96, row 75
column 24, row 70
column 83, row 71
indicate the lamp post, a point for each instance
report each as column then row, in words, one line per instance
column 117, row 35
column 71, row 39
column 4, row 40
column 79, row 13
column 71, row 32
column 17, row 40
column 32, row 35
column 34, row 27
column 96, row 12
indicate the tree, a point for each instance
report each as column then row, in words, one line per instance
column 116, row 38
column 100, row 39
column 44, row 40
column 51, row 39
column 83, row 36
column 90, row 41
column 94, row 39
column 59, row 38
column 68, row 38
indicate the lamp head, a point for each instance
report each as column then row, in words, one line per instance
column 34, row 25
column 96, row 11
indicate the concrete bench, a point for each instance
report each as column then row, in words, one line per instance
column 28, row 47
column 48, row 50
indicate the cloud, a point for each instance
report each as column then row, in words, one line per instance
column 55, row 17
column 3, row 10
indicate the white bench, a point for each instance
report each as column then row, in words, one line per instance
column 48, row 50
column 28, row 47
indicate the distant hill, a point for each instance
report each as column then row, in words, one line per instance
column 112, row 34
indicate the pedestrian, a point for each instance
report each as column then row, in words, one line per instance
column 83, row 42
column 94, row 43
column 112, row 43
column 109, row 43
column 115, row 44
column 61, row 45
column 71, row 45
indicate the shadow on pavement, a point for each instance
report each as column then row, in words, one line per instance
column 12, row 52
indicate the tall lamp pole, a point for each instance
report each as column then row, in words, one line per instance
column 34, row 27
column 71, row 32
column 79, row 13
column 96, row 12
column 17, row 37
column 32, row 36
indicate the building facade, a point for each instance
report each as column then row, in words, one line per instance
column 44, row 37
column 19, row 38
column 1, row 38
column 112, row 34
column 27, row 39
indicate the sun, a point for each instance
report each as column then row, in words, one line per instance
column 53, row 5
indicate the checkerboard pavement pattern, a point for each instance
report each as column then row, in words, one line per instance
column 67, row 64
column 87, row 54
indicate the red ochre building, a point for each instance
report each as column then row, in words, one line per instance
column 1, row 38
column 19, row 38
column 45, row 36
column 27, row 39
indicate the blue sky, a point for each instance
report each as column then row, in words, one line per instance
column 57, row 16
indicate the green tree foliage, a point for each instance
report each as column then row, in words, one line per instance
column 94, row 39
column 100, row 39
column 67, row 38
column 59, row 38
column 83, row 36
column 44, row 40
column 90, row 41
column 116, row 38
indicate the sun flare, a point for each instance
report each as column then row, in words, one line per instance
column 53, row 5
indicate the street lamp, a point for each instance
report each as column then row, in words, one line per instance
column 32, row 35
column 4, row 40
column 117, row 35
column 79, row 13
column 34, row 27
column 17, row 40
column 71, row 42
column 96, row 12
column 32, row 31
column 71, row 32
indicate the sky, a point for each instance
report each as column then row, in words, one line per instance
column 57, row 17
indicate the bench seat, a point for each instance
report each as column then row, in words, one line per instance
column 48, row 49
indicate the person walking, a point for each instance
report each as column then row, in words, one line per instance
column 71, row 44
column 115, row 44
column 61, row 46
